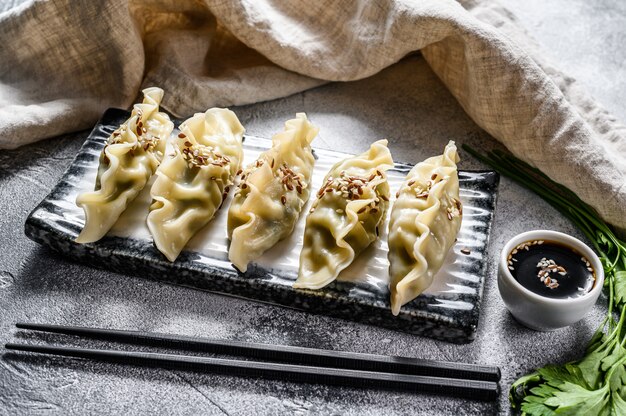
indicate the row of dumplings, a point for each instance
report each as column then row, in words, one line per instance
column 194, row 179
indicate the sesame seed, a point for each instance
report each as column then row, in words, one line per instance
column 362, row 210
column 283, row 199
column 434, row 176
column 466, row 251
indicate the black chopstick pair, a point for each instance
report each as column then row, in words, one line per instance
column 290, row 363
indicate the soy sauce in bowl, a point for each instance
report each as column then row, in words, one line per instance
column 551, row 269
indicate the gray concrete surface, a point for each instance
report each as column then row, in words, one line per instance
column 38, row 285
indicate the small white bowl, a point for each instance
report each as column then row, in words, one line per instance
column 538, row 312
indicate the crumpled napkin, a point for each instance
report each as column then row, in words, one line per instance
column 63, row 62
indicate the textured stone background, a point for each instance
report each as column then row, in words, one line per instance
column 37, row 285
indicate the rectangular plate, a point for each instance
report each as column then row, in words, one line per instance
column 448, row 310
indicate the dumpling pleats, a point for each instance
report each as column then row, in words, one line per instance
column 130, row 157
column 193, row 181
column 271, row 193
column 424, row 222
column 346, row 216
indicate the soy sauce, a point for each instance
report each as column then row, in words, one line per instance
column 551, row 269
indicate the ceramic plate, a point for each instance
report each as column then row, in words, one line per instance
column 448, row 310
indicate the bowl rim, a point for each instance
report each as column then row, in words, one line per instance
column 562, row 238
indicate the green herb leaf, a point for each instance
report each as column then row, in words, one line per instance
column 618, row 404
column 617, row 380
column 519, row 388
column 574, row 399
column 568, row 372
column 590, row 366
column 620, row 286
column 616, row 354
column 537, row 408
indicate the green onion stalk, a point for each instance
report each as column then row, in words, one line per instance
column 596, row 383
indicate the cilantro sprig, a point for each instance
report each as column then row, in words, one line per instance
column 596, row 383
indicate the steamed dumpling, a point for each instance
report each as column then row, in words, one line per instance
column 131, row 155
column 194, row 180
column 346, row 216
column 272, row 193
column 424, row 222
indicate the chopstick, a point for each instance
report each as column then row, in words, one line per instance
column 480, row 390
column 285, row 353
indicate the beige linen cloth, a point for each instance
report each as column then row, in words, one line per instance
column 63, row 62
